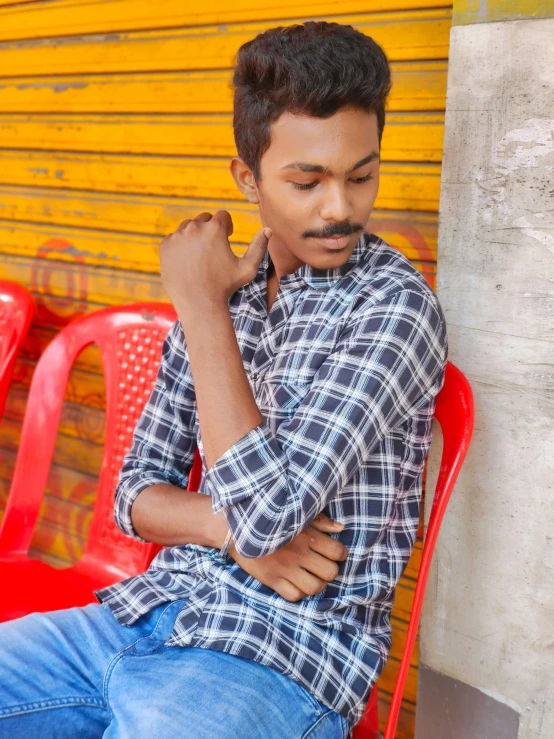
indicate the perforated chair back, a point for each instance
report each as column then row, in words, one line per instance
column 130, row 340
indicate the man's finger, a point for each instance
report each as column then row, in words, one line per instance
column 224, row 217
column 323, row 567
column 252, row 258
column 183, row 225
column 204, row 216
column 324, row 523
column 327, row 546
column 287, row 590
column 307, row 582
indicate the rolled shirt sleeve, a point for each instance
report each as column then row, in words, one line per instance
column 164, row 442
column 387, row 365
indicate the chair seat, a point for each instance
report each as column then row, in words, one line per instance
column 30, row 585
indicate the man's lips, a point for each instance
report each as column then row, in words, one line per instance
column 334, row 242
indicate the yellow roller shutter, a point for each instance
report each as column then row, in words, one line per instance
column 115, row 125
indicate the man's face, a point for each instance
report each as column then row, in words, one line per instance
column 319, row 178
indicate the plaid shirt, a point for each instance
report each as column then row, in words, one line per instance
column 345, row 370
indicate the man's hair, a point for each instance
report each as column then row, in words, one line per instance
column 311, row 69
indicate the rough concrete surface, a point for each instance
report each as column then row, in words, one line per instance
column 488, row 618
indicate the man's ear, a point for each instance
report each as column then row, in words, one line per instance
column 242, row 174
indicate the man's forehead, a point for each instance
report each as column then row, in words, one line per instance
column 348, row 136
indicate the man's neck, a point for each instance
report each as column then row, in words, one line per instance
column 272, row 285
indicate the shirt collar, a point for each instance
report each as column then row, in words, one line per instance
column 320, row 279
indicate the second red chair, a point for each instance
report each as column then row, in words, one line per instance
column 454, row 413
column 130, row 339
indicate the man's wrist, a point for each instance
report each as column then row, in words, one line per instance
column 193, row 307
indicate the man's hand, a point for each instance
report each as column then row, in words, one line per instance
column 302, row 567
column 198, row 264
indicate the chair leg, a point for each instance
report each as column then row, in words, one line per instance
column 368, row 726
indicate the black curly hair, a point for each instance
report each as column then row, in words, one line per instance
column 313, row 69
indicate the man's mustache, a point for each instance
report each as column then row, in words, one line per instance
column 336, row 229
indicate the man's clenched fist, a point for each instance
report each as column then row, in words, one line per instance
column 198, row 264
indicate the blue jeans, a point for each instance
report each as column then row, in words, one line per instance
column 78, row 673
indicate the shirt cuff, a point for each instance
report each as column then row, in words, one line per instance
column 249, row 467
column 126, row 493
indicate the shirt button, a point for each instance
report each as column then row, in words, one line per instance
column 187, row 639
column 254, row 375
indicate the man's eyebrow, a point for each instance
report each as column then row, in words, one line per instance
column 305, row 167
column 369, row 158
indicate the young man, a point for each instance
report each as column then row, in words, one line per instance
column 307, row 373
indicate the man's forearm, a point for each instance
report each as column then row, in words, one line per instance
column 167, row 515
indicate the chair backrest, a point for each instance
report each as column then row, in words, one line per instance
column 454, row 412
column 16, row 314
column 130, row 341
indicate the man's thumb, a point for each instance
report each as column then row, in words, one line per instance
column 255, row 253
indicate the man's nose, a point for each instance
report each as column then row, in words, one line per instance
column 336, row 205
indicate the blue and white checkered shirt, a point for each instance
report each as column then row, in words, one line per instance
column 345, row 370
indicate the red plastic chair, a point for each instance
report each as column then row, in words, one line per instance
column 16, row 313
column 130, row 339
column 454, row 412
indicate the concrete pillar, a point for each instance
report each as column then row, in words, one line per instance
column 487, row 633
